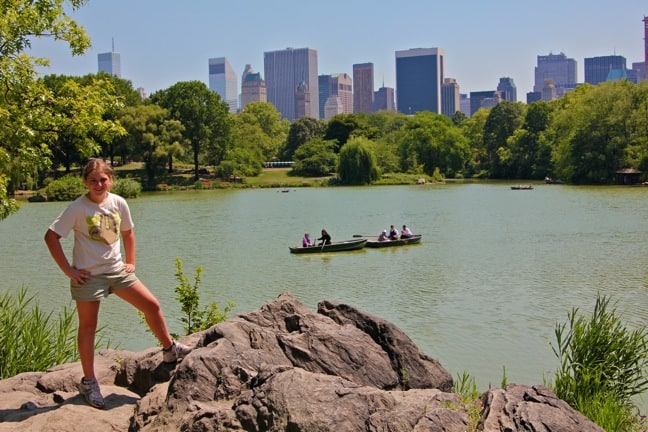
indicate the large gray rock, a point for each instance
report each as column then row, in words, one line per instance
column 282, row 367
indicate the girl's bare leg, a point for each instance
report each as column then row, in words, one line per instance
column 88, row 313
column 139, row 296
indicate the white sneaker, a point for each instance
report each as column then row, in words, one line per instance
column 176, row 352
column 91, row 392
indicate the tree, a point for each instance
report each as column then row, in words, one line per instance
column 530, row 157
column 592, row 127
column 357, row 164
column 301, row 131
column 204, row 116
column 431, row 141
column 29, row 111
column 473, row 130
column 315, row 158
column 503, row 120
column 266, row 117
column 340, row 128
column 150, row 131
column 80, row 101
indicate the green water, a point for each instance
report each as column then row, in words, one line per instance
column 494, row 273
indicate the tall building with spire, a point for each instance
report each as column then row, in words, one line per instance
column 288, row 72
column 419, row 75
column 110, row 62
column 363, row 87
column 384, row 99
column 253, row 87
column 222, row 80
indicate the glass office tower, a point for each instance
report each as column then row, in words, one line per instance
column 419, row 76
column 110, row 63
column 223, row 81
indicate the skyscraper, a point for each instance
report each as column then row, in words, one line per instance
column 557, row 67
column 287, row 72
column 419, row 75
column 483, row 99
column 645, row 21
column 597, row 69
column 384, row 99
column 222, row 80
column 363, row 84
column 450, row 101
column 507, row 89
column 253, row 87
column 335, row 86
column 110, row 63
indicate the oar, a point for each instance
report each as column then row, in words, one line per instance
column 361, row 235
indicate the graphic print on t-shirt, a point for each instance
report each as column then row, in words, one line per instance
column 105, row 228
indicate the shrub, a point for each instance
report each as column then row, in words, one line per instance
column 127, row 188
column 32, row 340
column 196, row 319
column 67, row 188
column 603, row 365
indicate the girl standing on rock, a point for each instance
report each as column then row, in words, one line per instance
column 98, row 218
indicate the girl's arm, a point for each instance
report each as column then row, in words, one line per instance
column 52, row 240
column 128, row 237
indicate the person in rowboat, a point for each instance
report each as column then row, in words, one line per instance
column 393, row 233
column 325, row 239
column 406, row 233
column 306, row 241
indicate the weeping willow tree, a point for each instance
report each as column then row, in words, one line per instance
column 357, row 164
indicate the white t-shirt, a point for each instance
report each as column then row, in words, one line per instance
column 97, row 229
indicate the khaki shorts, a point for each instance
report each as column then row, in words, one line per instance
column 101, row 285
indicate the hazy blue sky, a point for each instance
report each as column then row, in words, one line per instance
column 162, row 42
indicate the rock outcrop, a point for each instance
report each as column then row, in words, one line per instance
column 283, row 367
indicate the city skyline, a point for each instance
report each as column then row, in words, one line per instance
column 161, row 43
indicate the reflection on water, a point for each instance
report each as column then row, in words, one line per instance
column 495, row 271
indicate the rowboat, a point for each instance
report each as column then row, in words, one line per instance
column 339, row 246
column 373, row 242
column 522, row 187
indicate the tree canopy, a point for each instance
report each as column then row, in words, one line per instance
column 32, row 116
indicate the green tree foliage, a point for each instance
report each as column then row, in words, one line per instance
column 152, row 137
column 274, row 130
column 340, row 128
column 473, row 130
column 526, row 156
column 357, row 162
column 301, row 131
column 315, row 158
column 67, row 188
column 502, row 122
column 203, row 114
column 432, row 141
column 592, row 128
column 31, row 115
column 257, row 136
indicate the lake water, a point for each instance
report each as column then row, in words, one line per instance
column 495, row 272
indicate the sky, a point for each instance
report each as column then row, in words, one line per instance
column 163, row 42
